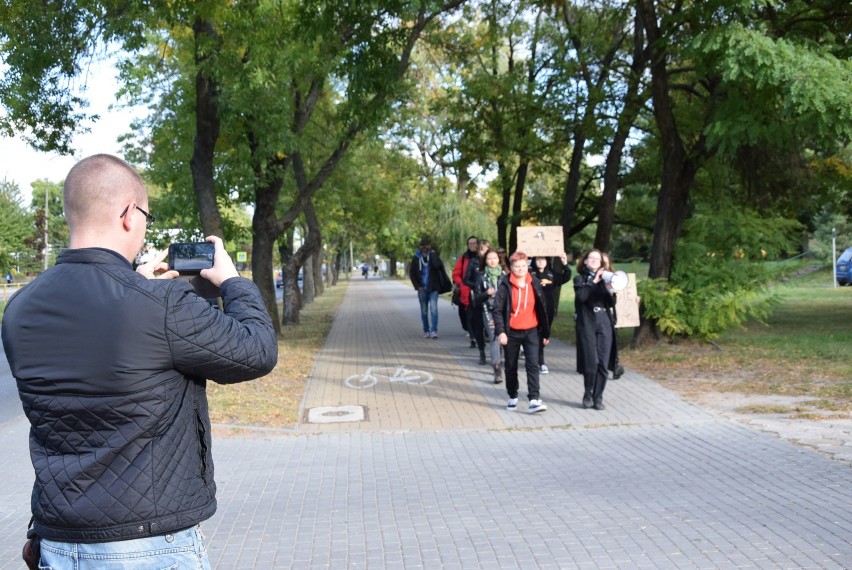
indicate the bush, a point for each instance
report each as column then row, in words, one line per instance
column 690, row 308
column 720, row 277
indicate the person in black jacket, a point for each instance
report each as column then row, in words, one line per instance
column 482, row 294
column 520, row 321
column 596, row 348
column 111, row 366
column 425, row 274
column 475, row 312
column 551, row 280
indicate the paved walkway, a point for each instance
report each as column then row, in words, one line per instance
column 441, row 475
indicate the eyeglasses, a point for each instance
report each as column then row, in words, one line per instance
column 149, row 219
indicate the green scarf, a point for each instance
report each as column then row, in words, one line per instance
column 493, row 274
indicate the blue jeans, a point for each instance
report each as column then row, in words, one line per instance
column 179, row 550
column 428, row 306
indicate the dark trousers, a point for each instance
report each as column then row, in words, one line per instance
column 476, row 325
column 595, row 383
column 541, row 345
column 463, row 316
column 528, row 339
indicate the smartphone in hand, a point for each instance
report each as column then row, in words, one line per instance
column 191, row 258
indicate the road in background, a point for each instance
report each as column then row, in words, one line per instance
column 10, row 404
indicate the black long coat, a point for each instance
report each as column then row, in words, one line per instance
column 586, row 296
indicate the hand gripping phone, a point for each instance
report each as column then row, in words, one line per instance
column 189, row 259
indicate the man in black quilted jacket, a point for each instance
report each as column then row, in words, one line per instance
column 111, row 367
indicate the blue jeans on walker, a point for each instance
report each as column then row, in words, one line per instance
column 181, row 549
column 428, row 307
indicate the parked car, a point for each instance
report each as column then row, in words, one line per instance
column 843, row 271
column 279, row 279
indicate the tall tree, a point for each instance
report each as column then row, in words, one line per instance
column 722, row 79
column 15, row 226
column 295, row 86
column 596, row 34
column 498, row 103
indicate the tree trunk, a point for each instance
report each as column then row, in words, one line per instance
column 334, row 268
column 308, row 281
column 633, row 102
column 292, row 297
column 310, row 246
column 572, row 186
column 303, row 107
column 517, row 203
column 503, row 218
column 612, row 179
column 263, row 275
column 206, row 130
column 319, row 276
column 392, row 265
column 679, row 167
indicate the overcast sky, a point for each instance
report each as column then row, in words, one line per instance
column 20, row 164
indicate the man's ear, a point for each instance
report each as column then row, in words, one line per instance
column 127, row 220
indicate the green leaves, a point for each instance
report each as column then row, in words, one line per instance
column 721, row 273
column 771, row 88
column 15, row 224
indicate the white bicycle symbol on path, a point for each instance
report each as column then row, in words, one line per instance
column 392, row 373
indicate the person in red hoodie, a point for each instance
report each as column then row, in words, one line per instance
column 520, row 320
column 459, row 272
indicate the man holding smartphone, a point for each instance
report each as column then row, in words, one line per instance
column 111, row 367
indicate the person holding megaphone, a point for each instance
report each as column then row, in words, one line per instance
column 594, row 305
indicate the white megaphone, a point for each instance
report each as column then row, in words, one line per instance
column 617, row 280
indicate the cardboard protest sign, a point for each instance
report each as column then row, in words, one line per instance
column 545, row 241
column 627, row 305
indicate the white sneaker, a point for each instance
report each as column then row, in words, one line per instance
column 513, row 404
column 544, row 369
column 427, row 335
column 434, row 334
column 537, row 406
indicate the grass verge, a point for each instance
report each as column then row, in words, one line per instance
column 274, row 400
column 800, row 352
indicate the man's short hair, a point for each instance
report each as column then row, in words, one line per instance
column 97, row 183
column 518, row 256
column 425, row 241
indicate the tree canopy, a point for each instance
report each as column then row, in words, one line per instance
column 634, row 124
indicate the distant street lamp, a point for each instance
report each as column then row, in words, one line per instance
column 834, row 256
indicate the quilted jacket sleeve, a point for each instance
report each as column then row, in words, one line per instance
column 227, row 346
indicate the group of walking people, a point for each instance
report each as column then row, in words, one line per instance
column 508, row 305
